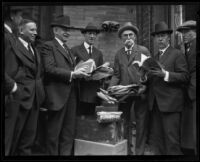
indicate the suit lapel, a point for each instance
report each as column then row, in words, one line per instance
column 165, row 55
column 62, row 50
column 134, row 52
column 84, row 53
column 24, row 51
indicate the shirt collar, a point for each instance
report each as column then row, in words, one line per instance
column 59, row 41
column 126, row 49
column 163, row 50
column 87, row 45
column 8, row 27
column 25, row 43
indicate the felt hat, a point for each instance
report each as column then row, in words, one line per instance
column 128, row 26
column 161, row 27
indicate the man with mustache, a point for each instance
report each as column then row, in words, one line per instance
column 166, row 99
column 28, row 73
column 188, row 131
column 60, row 87
column 88, row 87
column 124, row 74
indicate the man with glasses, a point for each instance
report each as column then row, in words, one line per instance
column 124, row 74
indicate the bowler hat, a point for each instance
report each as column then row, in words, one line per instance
column 61, row 21
column 90, row 27
column 161, row 27
column 128, row 26
column 187, row 25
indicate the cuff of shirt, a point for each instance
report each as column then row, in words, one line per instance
column 71, row 76
column 14, row 88
column 166, row 78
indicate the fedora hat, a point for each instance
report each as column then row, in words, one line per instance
column 128, row 26
column 90, row 27
column 187, row 25
column 61, row 21
column 161, row 27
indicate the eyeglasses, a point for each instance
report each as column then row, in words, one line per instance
column 131, row 35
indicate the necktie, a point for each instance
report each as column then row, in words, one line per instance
column 90, row 51
column 160, row 54
column 128, row 53
column 68, row 53
column 29, row 49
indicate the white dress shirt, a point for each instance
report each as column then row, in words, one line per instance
column 86, row 45
column 25, row 43
column 166, row 78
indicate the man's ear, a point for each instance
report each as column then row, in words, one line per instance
column 21, row 30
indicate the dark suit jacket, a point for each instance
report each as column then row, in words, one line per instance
column 191, row 59
column 88, row 89
column 26, row 71
column 124, row 72
column 58, row 69
column 169, row 95
column 9, row 42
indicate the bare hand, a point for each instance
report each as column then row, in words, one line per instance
column 80, row 73
column 142, row 89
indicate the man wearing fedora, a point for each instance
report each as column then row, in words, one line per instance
column 88, row 88
column 60, row 88
column 12, row 18
column 166, row 98
column 124, row 74
column 188, row 130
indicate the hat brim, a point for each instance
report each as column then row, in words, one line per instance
column 90, row 30
column 162, row 32
column 61, row 25
column 136, row 31
column 180, row 29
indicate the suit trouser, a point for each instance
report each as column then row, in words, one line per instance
column 12, row 109
column 61, row 128
column 164, row 136
column 141, row 114
column 86, row 108
column 25, row 131
column 195, row 126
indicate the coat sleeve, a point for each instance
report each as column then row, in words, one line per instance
column 50, row 68
column 9, row 84
column 180, row 73
column 116, row 76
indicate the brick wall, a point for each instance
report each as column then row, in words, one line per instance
column 108, row 43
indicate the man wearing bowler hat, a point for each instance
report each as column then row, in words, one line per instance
column 188, row 130
column 88, row 87
column 166, row 94
column 60, row 88
column 124, row 74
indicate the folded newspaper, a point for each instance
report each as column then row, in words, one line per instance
column 106, row 117
column 97, row 73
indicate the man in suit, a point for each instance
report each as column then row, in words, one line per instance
column 166, row 94
column 188, row 130
column 25, row 66
column 60, row 88
column 124, row 74
column 12, row 18
column 88, row 87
